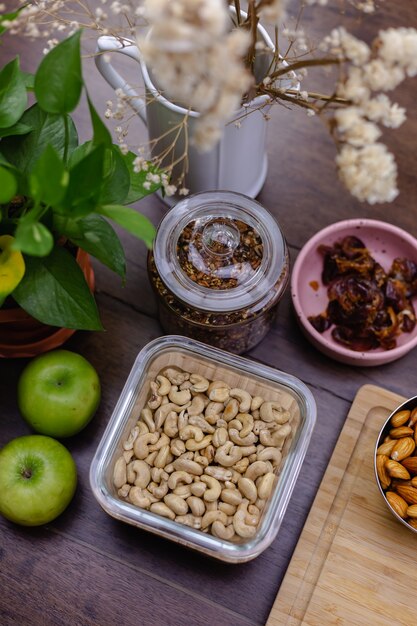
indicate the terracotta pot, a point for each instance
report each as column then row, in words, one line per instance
column 23, row 336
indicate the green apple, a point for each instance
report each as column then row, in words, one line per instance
column 38, row 477
column 58, row 393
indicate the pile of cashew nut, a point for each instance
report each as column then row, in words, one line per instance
column 203, row 454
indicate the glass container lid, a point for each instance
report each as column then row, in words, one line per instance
column 220, row 251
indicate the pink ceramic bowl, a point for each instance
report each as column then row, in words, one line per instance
column 385, row 242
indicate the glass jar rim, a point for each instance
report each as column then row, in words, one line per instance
column 220, row 204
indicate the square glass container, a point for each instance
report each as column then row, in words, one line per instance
column 214, row 364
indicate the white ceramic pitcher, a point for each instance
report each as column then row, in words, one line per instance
column 237, row 163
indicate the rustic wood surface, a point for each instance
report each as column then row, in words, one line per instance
column 336, row 576
column 88, row 569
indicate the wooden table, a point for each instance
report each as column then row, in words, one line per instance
column 87, row 569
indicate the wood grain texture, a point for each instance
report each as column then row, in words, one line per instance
column 82, row 568
column 354, row 562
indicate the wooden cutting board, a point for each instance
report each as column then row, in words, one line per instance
column 354, row 564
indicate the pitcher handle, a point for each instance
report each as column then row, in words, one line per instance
column 106, row 44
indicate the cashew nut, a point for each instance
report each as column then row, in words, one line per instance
column 270, row 454
column 159, row 491
column 214, row 488
column 176, row 504
column 179, row 397
column 193, row 444
column 213, row 516
column 164, row 457
column 140, row 447
column 123, row 492
column 199, row 383
column 197, row 406
column 155, row 400
column 175, row 376
column 220, row 437
column 158, row 474
column 220, row 473
column 256, row 469
column 128, row 444
column 231, row 409
column 241, row 441
column 189, row 520
column 231, row 496
column 164, row 385
column 191, row 432
column 229, row 509
column 141, row 472
column 198, row 488
column 179, row 477
column 147, row 417
column 171, row 425
column 197, row 506
column 177, row 447
column 139, row 497
column 162, row 509
column 162, row 413
column 246, row 420
column 265, row 484
column 198, row 420
column 228, row 454
column 239, row 522
column 184, row 491
column 221, row 531
column 242, row 465
column 119, row 472
column 256, row 403
column 212, row 411
column 274, row 412
column 162, row 441
column 244, row 398
column 275, row 439
column 188, row 466
column 248, row 488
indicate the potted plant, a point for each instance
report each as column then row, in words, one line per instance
column 56, row 200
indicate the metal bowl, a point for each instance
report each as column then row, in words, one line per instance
column 407, row 405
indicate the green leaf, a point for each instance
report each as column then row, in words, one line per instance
column 58, row 80
column 49, row 178
column 101, row 133
column 29, row 80
column 13, row 97
column 116, row 179
column 32, row 237
column 132, row 221
column 54, row 291
column 24, row 151
column 95, row 235
column 85, row 183
column 8, row 185
column 137, row 190
column 16, row 129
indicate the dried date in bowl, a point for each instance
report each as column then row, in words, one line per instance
column 385, row 242
column 219, row 267
column 395, row 463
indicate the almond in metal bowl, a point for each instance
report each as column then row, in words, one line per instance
column 395, row 463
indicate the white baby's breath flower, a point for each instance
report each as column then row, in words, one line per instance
column 354, row 129
column 381, row 109
column 370, row 173
column 398, row 46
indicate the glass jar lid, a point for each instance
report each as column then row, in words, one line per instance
column 220, row 251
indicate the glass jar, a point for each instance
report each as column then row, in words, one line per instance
column 219, row 267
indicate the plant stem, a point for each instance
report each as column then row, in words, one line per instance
column 300, row 64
